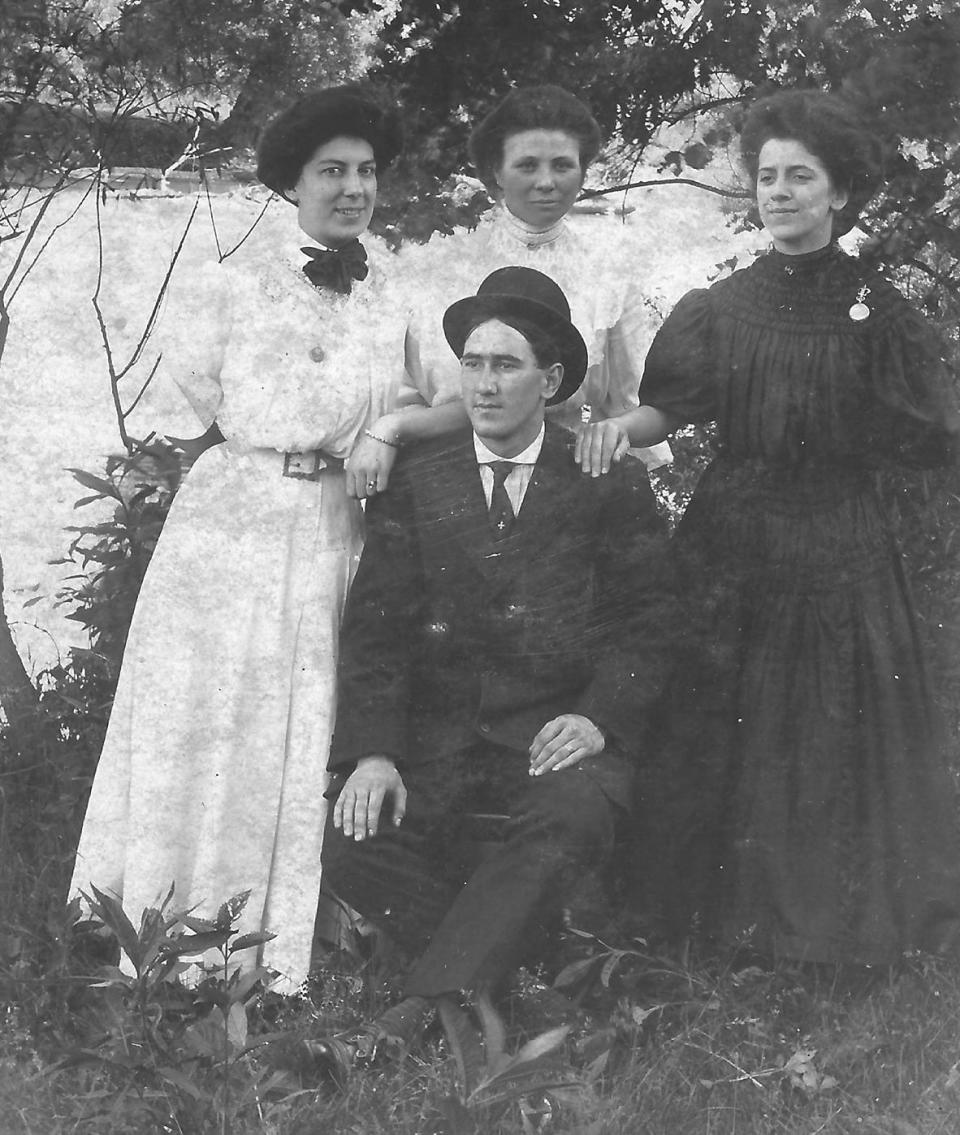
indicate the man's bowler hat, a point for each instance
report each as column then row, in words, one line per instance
column 527, row 294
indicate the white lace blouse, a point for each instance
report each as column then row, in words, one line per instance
column 280, row 364
column 605, row 303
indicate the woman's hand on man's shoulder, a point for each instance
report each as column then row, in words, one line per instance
column 600, row 445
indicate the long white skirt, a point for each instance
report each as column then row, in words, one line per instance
column 213, row 769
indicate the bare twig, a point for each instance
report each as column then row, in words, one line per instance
column 950, row 283
column 742, row 1073
column 671, row 118
column 116, row 374
column 143, row 389
column 5, row 300
column 213, row 222
column 737, row 194
column 189, row 151
column 53, row 232
column 66, row 180
column 30, row 234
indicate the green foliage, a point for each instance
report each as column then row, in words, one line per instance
column 491, row 1078
column 167, row 1055
column 42, row 794
column 897, row 62
column 66, row 85
column 139, row 488
column 131, row 82
column 449, row 63
column 642, row 65
column 251, row 57
column 760, row 1048
column 646, row 1042
column 180, row 1057
column 43, row 791
column 674, row 483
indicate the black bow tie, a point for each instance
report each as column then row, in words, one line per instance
column 336, row 268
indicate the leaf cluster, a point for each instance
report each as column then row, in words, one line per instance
column 491, row 1078
column 131, row 85
column 114, row 552
column 42, row 792
column 175, row 1056
column 448, row 64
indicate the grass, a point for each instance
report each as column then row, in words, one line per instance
column 663, row 1048
column 788, row 1051
column 659, row 1044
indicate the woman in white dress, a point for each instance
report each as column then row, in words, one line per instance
column 213, row 769
column 532, row 152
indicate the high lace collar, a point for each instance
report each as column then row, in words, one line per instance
column 527, row 234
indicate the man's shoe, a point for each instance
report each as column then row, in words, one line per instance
column 394, row 1031
column 332, row 1058
column 389, row 1037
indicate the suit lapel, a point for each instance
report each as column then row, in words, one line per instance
column 453, row 494
column 551, row 475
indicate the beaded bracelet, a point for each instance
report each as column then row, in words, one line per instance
column 382, row 440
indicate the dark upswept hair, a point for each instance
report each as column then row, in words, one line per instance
column 831, row 130
column 292, row 137
column 532, row 108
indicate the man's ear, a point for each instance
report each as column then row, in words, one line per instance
column 552, row 377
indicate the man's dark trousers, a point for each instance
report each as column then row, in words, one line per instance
column 466, row 930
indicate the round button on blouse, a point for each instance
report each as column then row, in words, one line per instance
column 318, row 354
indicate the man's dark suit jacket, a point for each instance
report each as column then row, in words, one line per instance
column 451, row 638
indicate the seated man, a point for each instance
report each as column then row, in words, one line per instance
column 504, row 641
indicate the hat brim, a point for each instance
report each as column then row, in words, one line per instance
column 462, row 316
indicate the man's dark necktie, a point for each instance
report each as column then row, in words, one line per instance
column 501, row 510
column 336, row 268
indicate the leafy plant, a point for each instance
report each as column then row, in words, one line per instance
column 491, row 1077
column 40, row 790
column 140, row 487
column 177, row 1056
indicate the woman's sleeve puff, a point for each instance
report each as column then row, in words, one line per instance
column 194, row 332
column 678, row 377
column 627, row 342
column 913, row 384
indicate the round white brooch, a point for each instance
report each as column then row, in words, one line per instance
column 859, row 311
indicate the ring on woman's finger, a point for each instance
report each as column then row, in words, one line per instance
column 371, row 486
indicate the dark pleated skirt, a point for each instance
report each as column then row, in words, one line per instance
column 801, row 802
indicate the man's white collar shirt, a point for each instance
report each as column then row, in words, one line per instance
column 519, row 476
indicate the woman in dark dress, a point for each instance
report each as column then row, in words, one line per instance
column 819, row 821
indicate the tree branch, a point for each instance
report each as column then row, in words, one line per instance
column 213, row 224
column 53, row 232
column 143, row 389
column 737, row 194
column 31, row 233
column 115, row 374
